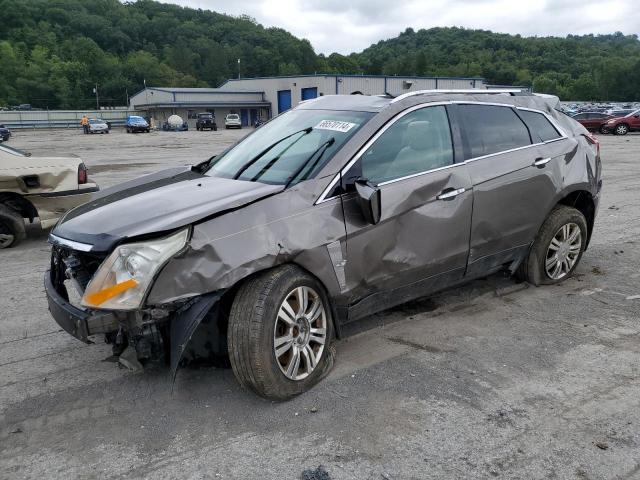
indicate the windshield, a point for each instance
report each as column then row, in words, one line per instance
column 288, row 157
column 635, row 112
column 136, row 119
column 205, row 115
column 232, row 117
column 95, row 121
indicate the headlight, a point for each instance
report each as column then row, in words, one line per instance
column 124, row 278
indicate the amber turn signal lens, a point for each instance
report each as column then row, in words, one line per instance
column 103, row 295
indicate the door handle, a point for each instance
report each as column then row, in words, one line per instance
column 450, row 193
column 541, row 162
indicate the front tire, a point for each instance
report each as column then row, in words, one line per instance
column 12, row 228
column 557, row 249
column 280, row 332
column 621, row 129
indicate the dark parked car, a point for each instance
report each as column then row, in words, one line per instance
column 593, row 120
column 136, row 123
column 5, row 133
column 206, row 121
column 335, row 210
column 624, row 125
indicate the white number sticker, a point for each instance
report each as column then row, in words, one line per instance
column 334, row 125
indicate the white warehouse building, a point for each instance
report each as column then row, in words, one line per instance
column 265, row 97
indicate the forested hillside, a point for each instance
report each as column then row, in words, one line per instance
column 605, row 67
column 52, row 53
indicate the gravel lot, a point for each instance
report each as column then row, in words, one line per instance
column 493, row 379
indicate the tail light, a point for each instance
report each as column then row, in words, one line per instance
column 82, row 174
column 593, row 141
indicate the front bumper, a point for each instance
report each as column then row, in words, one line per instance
column 168, row 338
column 138, row 128
column 79, row 323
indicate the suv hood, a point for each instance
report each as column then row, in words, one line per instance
column 156, row 203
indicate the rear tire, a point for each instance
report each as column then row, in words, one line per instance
column 549, row 249
column 12, row 228
column 259, row 322
column 603, row 129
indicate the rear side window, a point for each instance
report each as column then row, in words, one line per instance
column 492, row 129
column 540, row 127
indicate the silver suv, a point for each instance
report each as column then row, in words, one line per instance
column 337, row 209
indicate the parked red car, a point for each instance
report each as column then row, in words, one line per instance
column 593, row 120
column 624, row 125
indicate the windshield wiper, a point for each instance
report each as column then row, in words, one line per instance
column 321, row 149
column 246, row 166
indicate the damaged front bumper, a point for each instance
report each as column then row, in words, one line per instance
column 79, row 323
column 157, row 334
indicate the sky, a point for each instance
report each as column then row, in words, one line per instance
column 346, row 26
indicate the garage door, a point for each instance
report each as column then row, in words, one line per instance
column 284, row 100
column 309, row 93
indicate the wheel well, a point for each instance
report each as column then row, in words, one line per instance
column 20, row 204
column 583, row 201
column 227, row 298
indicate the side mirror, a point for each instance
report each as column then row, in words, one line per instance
column 636, row 116
column 202, row 166
column 368, row 197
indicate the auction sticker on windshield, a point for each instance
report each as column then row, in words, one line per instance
column 334, row 125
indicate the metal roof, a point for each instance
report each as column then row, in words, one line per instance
column 197, row 90
column 242, row 103
column 351, row 75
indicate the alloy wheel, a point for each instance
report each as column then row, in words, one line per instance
column 300, row 333
column 563, row 251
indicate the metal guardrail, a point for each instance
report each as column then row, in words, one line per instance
column 34, row 119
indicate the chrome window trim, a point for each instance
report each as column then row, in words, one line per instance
column 388, row 182
column 502, row 152
column 323, row 197
column 552, row 120
column 82, row 247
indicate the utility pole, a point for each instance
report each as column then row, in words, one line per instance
column 95, row 90
column 238, row 68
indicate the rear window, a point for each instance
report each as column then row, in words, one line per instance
column 492, row 129
column 540, row 127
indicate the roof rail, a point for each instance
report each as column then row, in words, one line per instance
column 511, row 91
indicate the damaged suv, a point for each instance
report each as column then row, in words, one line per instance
column 337, row 209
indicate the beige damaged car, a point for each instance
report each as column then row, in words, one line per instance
column 38, row 187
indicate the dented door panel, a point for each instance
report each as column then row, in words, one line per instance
column 419, row 236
